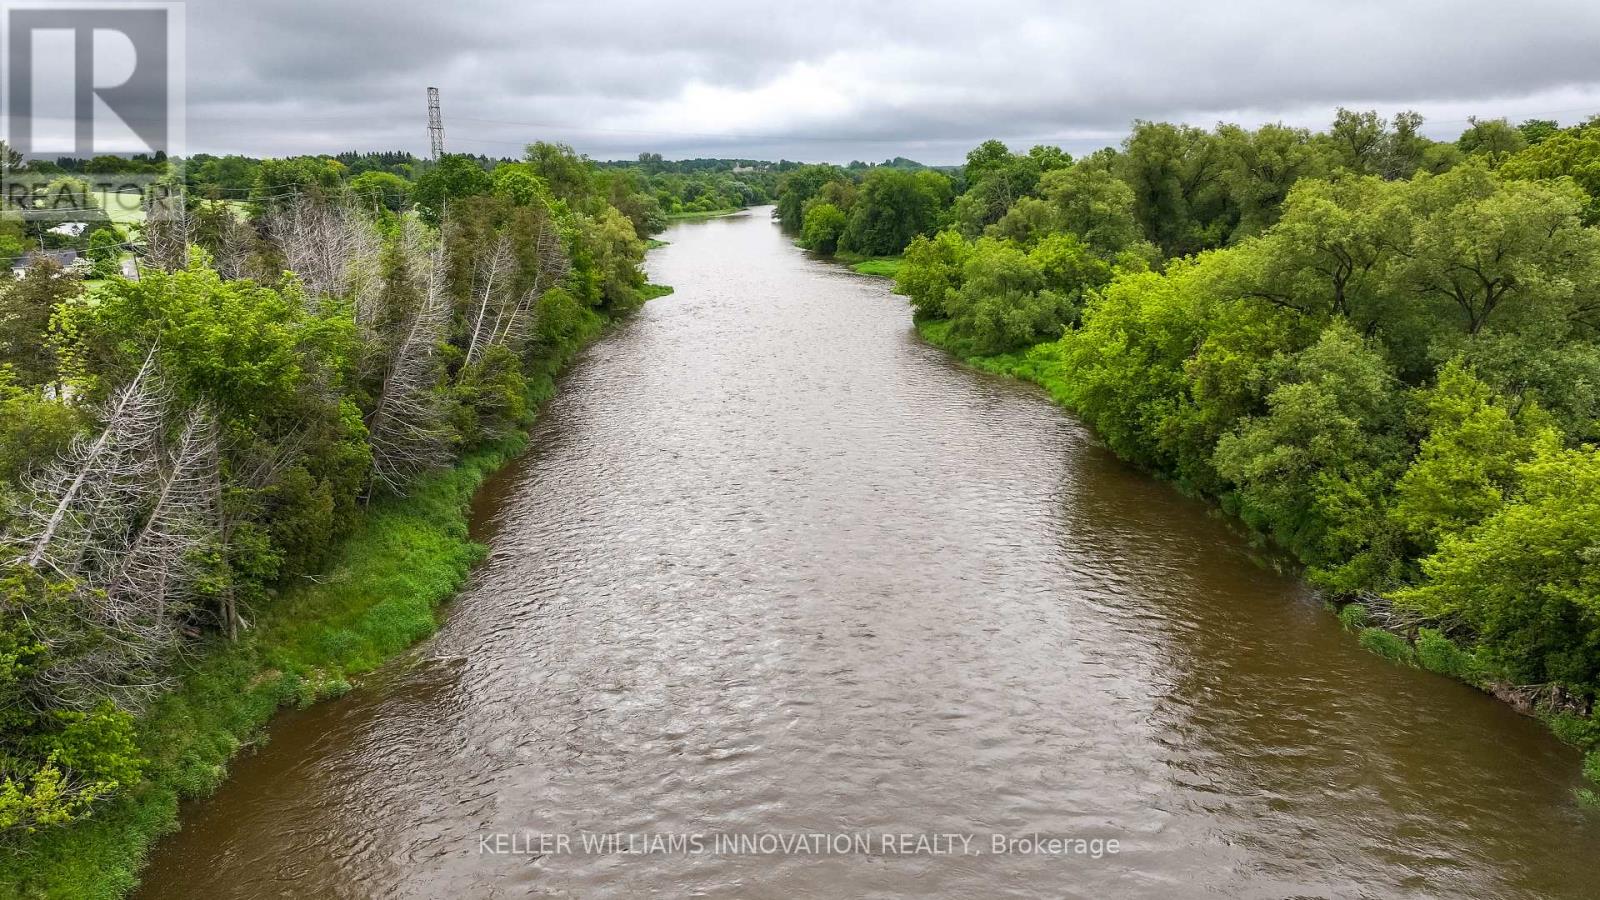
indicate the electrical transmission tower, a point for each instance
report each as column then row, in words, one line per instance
column 435, row 124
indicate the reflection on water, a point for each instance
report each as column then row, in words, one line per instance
column 772, row 565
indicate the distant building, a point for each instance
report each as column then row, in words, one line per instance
column 62, row 258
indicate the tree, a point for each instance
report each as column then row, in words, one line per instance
column 799, row 185
column 892, row 207
column 1262, row 166
column 1489, row 252
column 824, row 224
column 26, row 305
column 1573, row 153
column 381, row 190
column 568, row 174
column 279, row 182
column 932, row 272
column 1493, row 139
column 1466, row 464
column 105, row 253
column 1525, row 580
column 1180, row 196
column 996, row 178
column 453, row 177
column 1328, row 439
column 1095, row 205
column 407, row 427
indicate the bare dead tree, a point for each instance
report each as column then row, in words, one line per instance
column 76, row 519
column 334, row 250
column 491, row 282
column 406, row 429
column 235, row 246
column 167, row 233
column 134, row 611
column 512, row 325
column 158, row 571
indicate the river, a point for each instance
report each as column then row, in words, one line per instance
column 773, row 566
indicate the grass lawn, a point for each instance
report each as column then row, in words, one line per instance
column 881, row 266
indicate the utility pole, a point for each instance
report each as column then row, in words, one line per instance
column 435, row 124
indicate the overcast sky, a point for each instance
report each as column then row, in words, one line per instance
column 819, row 80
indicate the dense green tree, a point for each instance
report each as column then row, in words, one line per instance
column 1262, row 166
column 1525, row 581
column 450, row 179
column 382, row 190
column 1573, row 153
column 26, row 305
column 1328, row 441
column 1466, row 464
column 1095, row 205
column 800, row 185
column 1493, row 139
column 825, row 224
column 568, row 174
column 932, row 271
column 996, row 178
column 892, row 207
column 1180, row 196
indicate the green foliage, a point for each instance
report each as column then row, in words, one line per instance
column 279, row 182
column 824, row 225
column 1579, row 731
column 1388, row 645
column 892, row 207
column 382, row 190
column 1438, row 653
column 1465, row 465
column 1327, row 435
column 105, row 252
column 452, row 178
column 996, row 179
column 55, row 764
column 1180, row 197
column 932, row 271
column 800, row 185
column 1572, row 153
column 1526, row 579
column 1011, row 298
column 26, row 305
column 32, row 427
column 1353, row 616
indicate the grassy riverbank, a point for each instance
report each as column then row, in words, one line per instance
column 1418, row 647
column 379, row 596
column 880, row 266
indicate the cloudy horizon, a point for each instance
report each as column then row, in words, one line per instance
column 831, row 82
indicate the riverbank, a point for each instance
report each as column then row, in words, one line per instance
column 378, row 597
column 879, row 266
column 1410, row 645
column 698, row 215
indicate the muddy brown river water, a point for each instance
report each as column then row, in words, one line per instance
column 774, row 567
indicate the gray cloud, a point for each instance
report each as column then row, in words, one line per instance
column 839, row 81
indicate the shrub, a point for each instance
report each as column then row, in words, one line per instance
column 1438, row 653
column 1388, row 645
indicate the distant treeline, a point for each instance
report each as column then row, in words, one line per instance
column 1380, row 350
